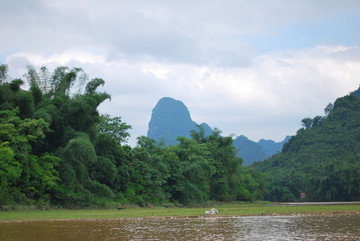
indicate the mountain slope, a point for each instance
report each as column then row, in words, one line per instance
column 170, row 119
column 271, row 147
column 322, row 160
column 252, row 151
column 249, row 150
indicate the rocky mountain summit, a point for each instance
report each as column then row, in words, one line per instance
column 171, row 118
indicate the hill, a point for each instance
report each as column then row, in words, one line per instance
column 252, row 151
column 249, row 150
column 271, row 147
column 170, row 119
column 322, row 161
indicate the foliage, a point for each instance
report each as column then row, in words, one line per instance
column 24, row 176
column 321, row 160
column 114, row 127
column 56, row 149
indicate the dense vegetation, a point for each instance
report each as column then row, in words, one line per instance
column 56, row 149
column 322, row 160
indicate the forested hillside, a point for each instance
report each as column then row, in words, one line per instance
column 322, row 160
column 57, row 149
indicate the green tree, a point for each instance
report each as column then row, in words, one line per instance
column 3, row 73
column 115, row 127
column 320, row 160
column 307, row 123
column 10, row 171
column 193, row 182
column 148, row 173
column 37, row 177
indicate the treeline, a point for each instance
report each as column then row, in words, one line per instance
column 322, row 160
column 56, row 149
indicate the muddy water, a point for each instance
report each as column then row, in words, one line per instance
column 313, row 227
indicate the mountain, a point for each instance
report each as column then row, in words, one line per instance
column 170, row 119
column 251, row 151
column 207, row 129
column 322, row 161
column 271, row 147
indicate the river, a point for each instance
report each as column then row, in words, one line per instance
column 302, row 227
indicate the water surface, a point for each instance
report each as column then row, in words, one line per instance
column 312, row 227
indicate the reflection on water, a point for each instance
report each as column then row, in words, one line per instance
column 313, row 227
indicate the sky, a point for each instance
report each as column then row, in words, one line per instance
column 253, row 68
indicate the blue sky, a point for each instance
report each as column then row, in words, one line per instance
column 253, row 68
column 339, row 29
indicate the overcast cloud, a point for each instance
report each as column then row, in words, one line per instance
column 255, row 68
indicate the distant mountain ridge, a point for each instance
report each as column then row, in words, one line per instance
column 271, row 147
column 252, row 151
column 170, row 119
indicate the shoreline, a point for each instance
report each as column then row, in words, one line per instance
column 317, row 203
column 234, row 209
column 328, row 213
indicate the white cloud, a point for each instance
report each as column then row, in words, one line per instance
column 211, row 32
column 204, row 53
column 266, row 99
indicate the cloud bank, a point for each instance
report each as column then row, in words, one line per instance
column 253, row 68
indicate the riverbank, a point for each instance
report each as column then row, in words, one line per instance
column 225, row 209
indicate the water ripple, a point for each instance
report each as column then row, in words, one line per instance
column 312, row 227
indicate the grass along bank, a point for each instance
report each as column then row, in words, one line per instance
column 233, row 209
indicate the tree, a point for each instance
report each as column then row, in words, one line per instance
column 109, row 148
column 93, row 85
column 307, row 123
column 317, row 121
column 10, row 170
column 32, row 177
column 50, row 129
column 3, row 73
column 321, row 161
column 328, row 109
column 80, row 154
column 193, row 182
column 115, row 127
column 79, row 171
column 148, row 173
column 55, row 148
